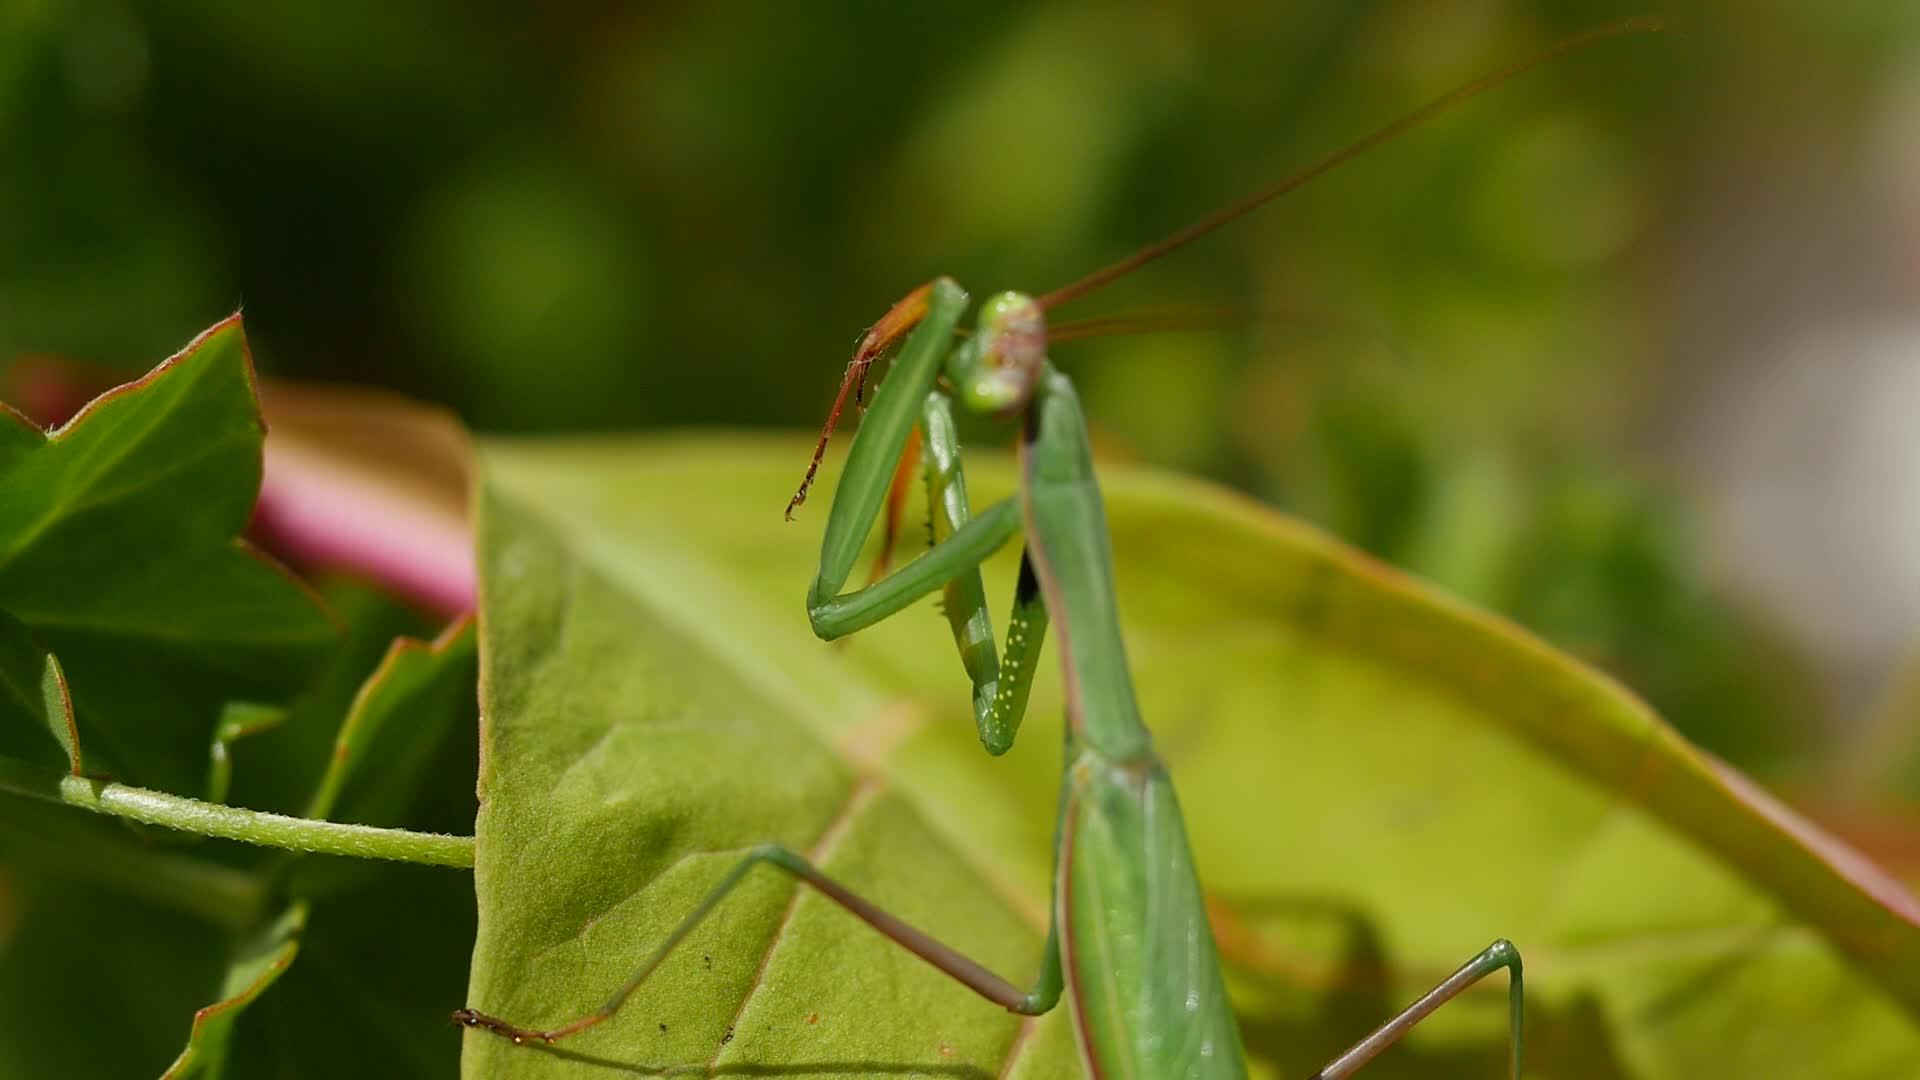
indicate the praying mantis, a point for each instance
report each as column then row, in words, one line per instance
column 1129, row 948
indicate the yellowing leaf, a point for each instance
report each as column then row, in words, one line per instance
column 1377, row 782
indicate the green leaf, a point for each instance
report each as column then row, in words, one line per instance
column 124, row 558
column 257, row 963
column 118, row 551
column 238, row 720
column 96, row 984
column 379, row 965
column 1377, row 781
column 281, row 768
column 19, row 436
column 385, row 950
column 34, row 702
column 399, row 718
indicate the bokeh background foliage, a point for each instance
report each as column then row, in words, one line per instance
column 1501, row 353
column 1471, row 354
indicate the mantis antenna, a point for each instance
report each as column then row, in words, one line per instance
column 905, row 314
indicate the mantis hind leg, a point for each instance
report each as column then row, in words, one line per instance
column 1500, row 954
column 1044, row 994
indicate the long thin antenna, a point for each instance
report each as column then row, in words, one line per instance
column 1171, row 319
column 1638, row 24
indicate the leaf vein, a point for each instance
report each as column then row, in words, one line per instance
column 862, row 793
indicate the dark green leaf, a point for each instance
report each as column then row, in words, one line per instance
column 280, row 769
column 36, row 712
column 238, row 720
column 402, row 715
column 256, row 964
column 94, row 984
column 381, row 968
column 123, row 557
column 118, row 550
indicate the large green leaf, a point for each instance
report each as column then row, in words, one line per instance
column 118, row 551
column 1377, row 782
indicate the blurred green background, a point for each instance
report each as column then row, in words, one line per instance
column 1618, row 350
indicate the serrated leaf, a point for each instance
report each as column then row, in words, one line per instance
column 1377, row 782
column 118, row 550
column 256, row 964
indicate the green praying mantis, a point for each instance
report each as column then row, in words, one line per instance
column 1129, row 948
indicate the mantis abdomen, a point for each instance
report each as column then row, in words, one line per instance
column 1143, row 974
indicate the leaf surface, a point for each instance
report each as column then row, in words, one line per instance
column 1377, row 781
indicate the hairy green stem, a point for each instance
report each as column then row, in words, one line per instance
column 234, row 823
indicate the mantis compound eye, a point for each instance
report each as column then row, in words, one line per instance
column 1010, row 349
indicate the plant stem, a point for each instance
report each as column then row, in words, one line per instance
column 235, row 823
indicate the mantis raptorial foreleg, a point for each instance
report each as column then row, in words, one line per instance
column 965, row 550
column 904, row 474
column 884, row 430
column 1000, row 683
column 960, row 541
column 899, row 318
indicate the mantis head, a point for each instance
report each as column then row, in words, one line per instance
column 996, row 369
